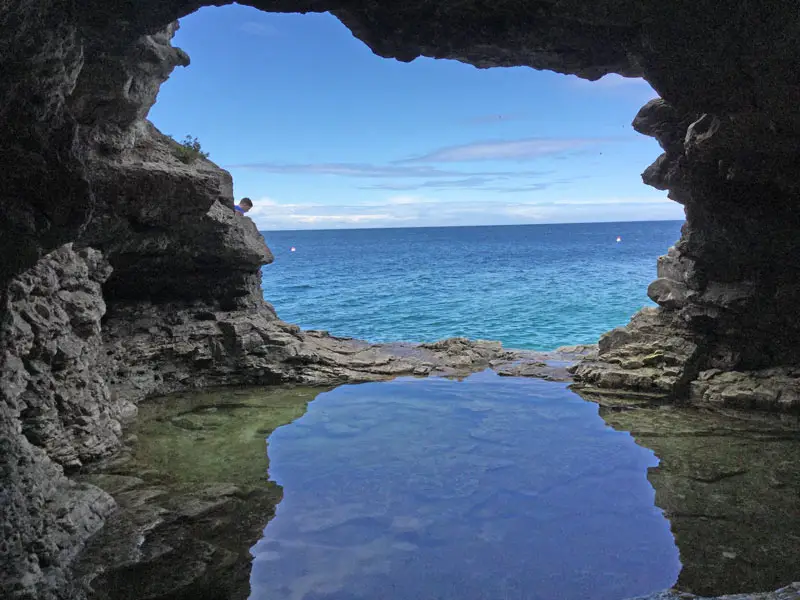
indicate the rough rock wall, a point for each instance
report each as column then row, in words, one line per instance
column 83, row 80
column 728, row 289
column 44, row 193
column 80, row 164
column 56, row 411
column 169, row 231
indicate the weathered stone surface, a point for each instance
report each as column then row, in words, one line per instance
column 81, row 165
column 644, row 357
column 53, row 329
column 777, row 388
column 99, row 67
column 727, row 285
column 169, row 231
column 159, row 349
column 55, row 409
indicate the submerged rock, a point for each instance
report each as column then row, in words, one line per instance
column 193, row 504
column 199, row 501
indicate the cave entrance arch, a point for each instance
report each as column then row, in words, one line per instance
column 537, row 123
column 78, row 83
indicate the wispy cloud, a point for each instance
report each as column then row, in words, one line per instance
column 504, row 150
column 469, row 183
column 399, row 178
column 368, row 171
column 257, row 28
column 505, row 185
column 420, row 210
column 347, row 170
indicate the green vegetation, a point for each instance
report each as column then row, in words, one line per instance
column 189, row 150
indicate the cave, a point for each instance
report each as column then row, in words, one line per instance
column 93, row 322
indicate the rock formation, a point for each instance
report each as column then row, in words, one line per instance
column 97, row 212
column 726, row 290
column 56, row 412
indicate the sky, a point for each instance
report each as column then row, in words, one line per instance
column 323, row 134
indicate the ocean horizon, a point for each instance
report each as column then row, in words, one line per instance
column 268, row 231
column 537, row 286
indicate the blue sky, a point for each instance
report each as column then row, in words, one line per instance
column 321, row 133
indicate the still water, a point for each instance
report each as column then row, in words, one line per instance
column 490, row 488
column 486, row 488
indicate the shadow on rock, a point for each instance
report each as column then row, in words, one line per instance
column 729, row 484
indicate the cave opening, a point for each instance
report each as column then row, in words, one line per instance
column 87, row 181
column 328, row 137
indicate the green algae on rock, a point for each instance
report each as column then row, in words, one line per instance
column 194, row 439
column 193, row 493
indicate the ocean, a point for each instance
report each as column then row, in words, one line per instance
column 528, row 286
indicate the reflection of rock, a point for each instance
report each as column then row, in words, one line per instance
column 731, row 490
column 56, row 412
column 790, row 592
column 184, row 528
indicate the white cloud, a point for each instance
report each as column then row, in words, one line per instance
column 350, row 219
column 614, row 201
column 264, row 201
column 421, row 211
column 524, row 149
column 406, row 200
column 364, row 170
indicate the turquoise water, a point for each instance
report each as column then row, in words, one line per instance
column 529, row 286
column 489, row 488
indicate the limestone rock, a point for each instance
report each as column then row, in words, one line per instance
column 669, row 293
column 646, row 356
column 55, row 409
column 158, row 349
column 80, row 165
column 775, row 389
column 169, row 229
column 725, row 285
column 53, row 329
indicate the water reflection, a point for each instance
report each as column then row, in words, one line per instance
column 489, row 488
column 731, row 489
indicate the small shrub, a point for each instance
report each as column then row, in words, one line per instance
column 189, row 150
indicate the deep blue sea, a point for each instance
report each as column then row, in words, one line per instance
column 529, row 286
